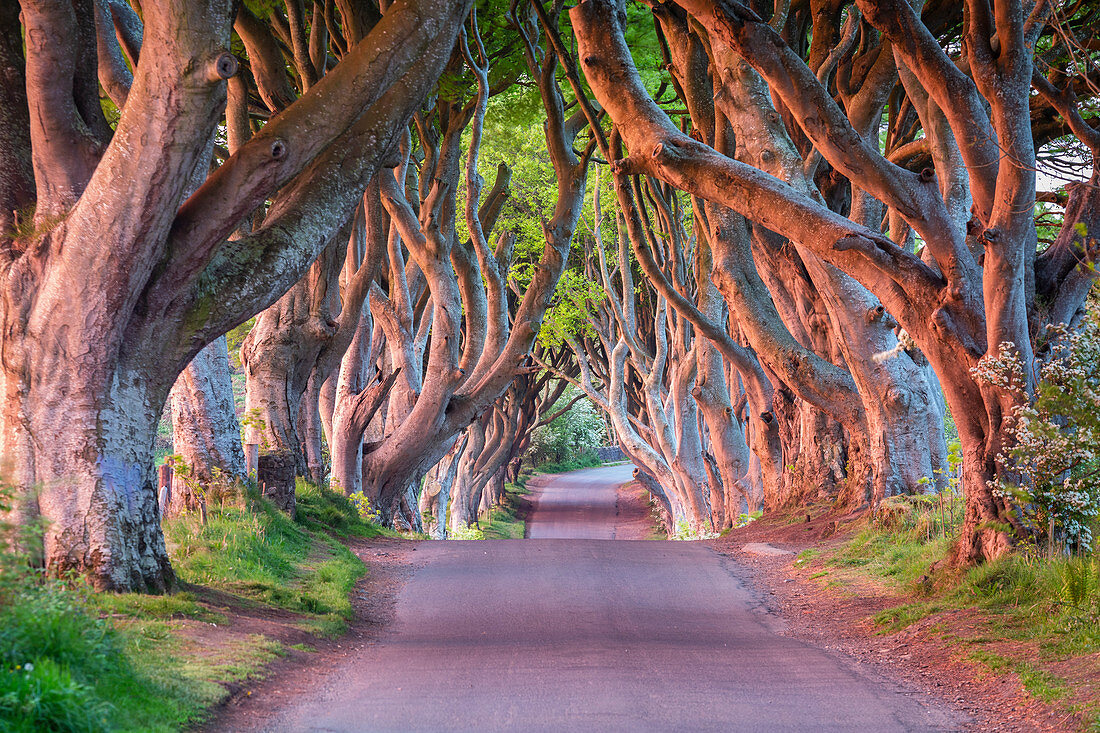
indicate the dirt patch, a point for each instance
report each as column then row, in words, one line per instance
column 390, row 562
column 633, row 519
column 835, row 610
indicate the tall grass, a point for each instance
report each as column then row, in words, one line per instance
column 250, row 548
column 1055, row 599
column 62, row 666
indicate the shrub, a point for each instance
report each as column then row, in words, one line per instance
column 466, row 533
column 576, row 431
column 366, row 512
column 586, row 459
column 1056, row 438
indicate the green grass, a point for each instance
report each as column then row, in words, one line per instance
column 323, row 509
column 502, row 523
column 1039, row 684
column 807, row 556
column 1049, row 603
column 898, row 556
column 253, row 550
column 137, row 605
column 74, row 660
column 65, row 668
column 586, row 459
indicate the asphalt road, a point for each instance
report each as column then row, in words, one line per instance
column 578, row 505
column 592, row 635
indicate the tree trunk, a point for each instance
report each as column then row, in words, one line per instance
column 311, row 429
column 436, row 496
column 88, row 446
column 205, row 431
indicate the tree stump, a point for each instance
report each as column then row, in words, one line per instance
column 276, row 476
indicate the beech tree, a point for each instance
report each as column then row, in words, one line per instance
column 963, row 183
column 113, row 282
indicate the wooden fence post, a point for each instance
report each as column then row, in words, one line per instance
column 252, row 460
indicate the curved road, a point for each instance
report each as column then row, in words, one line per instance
column 592, row 635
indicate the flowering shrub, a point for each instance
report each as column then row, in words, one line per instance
column 1056, row 438
column 362, row 505
column 569, row 435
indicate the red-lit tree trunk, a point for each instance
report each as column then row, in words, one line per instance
column 205, row 431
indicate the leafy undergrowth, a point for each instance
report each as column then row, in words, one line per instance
column 584, row 459
column 1037, row 617
column 76, row 660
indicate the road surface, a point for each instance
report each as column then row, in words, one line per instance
column 578, row 505
column 591, row 635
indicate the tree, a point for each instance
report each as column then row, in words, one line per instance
column 111, row 290
column 971, row 292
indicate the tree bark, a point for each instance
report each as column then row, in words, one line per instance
column 205, row 431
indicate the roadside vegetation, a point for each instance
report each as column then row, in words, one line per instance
column 1034, row 611
column 508, row 521
column 568, row 442
column 78, row 660
column 1029, row 613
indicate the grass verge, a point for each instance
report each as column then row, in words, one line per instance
column 1033, row 616
column 76, row 660
column 507, row 521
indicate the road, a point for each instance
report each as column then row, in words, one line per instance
column 578, row 505
column 591, row 635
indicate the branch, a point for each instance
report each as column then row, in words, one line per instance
column 413, row 39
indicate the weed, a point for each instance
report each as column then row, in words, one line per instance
column 806, row 556
column 1038, row 683
column 899, row 617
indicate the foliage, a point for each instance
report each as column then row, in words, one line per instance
column 218, row 488
column 1056, row 438
column 586, row 459
column 235, row 339
column 683, row 532
column 364, row 509
column 466, row 533
column 569, row 436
